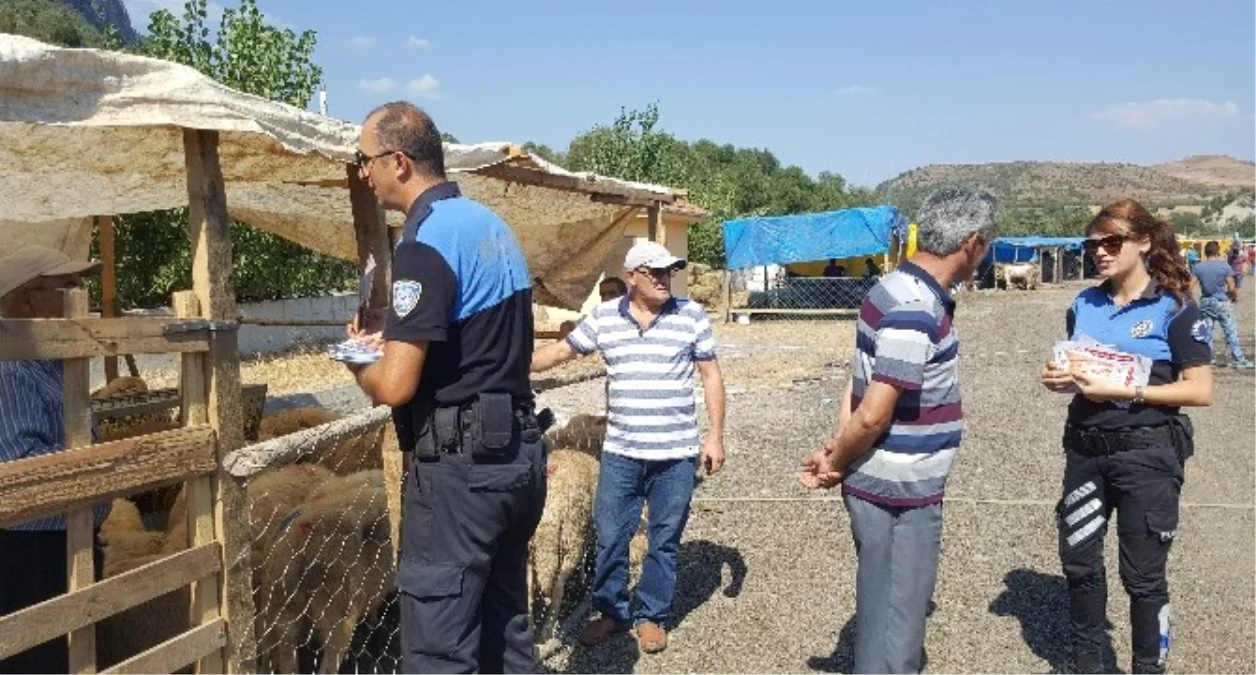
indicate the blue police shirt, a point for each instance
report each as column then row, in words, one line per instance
column 1157, row 325
column 460, row 283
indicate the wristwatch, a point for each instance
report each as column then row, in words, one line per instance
column 1139, row 390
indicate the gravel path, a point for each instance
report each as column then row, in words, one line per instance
column 767, row 571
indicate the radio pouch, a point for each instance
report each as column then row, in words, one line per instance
column 494, row 423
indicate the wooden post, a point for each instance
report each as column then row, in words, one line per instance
column 1058, row 276
column 371, row 231
column 211, row 282
column 373, row 238
column 79, row 535
column 198, row 492
column 108, row 286
column 726, row 291
column 656, row 229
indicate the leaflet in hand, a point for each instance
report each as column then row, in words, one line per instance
column 355, row 351
column 1103, row 362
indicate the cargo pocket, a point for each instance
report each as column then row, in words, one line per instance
column 432, row 597
column 1163, row 524
column 499, row 477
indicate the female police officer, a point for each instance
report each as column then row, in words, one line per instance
column 1125, row 447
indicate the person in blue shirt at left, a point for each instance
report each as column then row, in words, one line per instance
column 1126, row 446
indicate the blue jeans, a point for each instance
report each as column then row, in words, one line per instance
column 624, row 484
column 1214, row 310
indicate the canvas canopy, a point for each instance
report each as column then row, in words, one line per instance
column 780, row 240
column 88, row 132
column 1025, row 249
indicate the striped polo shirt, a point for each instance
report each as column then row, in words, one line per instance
column 905, row 338
column 652, row 412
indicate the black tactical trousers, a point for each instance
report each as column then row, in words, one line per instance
column 1143, row 486
column 463, row 571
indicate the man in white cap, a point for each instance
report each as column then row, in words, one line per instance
column 33, row 554
column 651, row 341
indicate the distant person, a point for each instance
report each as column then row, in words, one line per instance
column 1192, row 257
column 612, row 288
column 871, row 270
column 1236, row 260
column 1251, row 260
column 834, row 270
column 899, row 426
column 1218, row 291
column 1125, row 447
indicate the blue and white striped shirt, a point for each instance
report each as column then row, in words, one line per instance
column 32, row 421
column 652, row 412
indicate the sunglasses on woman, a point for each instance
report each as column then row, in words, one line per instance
column 1111, row 244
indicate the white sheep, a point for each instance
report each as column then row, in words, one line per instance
column 330, row 565
column 559, row 545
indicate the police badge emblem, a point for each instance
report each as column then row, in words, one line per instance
column 405, row 296
column 1141, row 329
column 1202, row 332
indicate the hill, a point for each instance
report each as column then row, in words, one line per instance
column 71, row 23
column 1193, row 182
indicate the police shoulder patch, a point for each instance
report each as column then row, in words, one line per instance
column 1200, row 331
column 1141, row 329
column 405, row 296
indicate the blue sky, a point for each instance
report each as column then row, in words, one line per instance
column 866, row 89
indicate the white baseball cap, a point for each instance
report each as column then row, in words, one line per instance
column 32, row 262
column 652, row 255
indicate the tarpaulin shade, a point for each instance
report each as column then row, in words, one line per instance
column 780, row 240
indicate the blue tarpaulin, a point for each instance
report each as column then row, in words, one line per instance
column 779, row 240
column 1025, row 249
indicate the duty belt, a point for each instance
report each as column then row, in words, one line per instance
column 1100, row 442
column 455, row 429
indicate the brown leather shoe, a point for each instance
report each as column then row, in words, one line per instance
column 599, row 631
column 651, row 637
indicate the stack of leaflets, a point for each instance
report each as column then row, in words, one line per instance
column 355, row 351
column 1103, row 362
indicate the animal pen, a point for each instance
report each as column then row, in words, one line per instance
column 788, row 254
column 276, row 554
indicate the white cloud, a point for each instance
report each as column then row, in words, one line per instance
column 854, row 90
column 1151, row 114
column 424, row 86
column 381, row 86
column 418, row 43
column 361, row 42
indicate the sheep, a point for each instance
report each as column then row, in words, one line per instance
column 125, row 538
column 561, row 540
column 330, row 566
column 350, row 455
column 121, row 385
column 1027, row 275
column 582, row 432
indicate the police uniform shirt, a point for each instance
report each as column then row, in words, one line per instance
column 460, row 282
column 1156, row 325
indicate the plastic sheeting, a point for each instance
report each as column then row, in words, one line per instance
column 780, row 240
column 1025, row 249
column 87, row 132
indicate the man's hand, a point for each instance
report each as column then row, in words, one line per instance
column 712, row 458
column 1056, row 379
column 368, row 326
column 819, row 469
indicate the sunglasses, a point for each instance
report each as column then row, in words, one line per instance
column 361, row 158
column 656, row 273
column 1111, row 244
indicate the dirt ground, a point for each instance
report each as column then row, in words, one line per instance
column 766, row 579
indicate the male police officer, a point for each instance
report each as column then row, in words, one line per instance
column 456, row 348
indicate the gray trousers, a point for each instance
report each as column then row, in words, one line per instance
column 898, row 566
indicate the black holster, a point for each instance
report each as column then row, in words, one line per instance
column 1183, row 437
column 487, row 428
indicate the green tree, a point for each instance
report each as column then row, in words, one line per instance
column 251, row 56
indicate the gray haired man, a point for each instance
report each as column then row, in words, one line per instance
column 899, row 426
